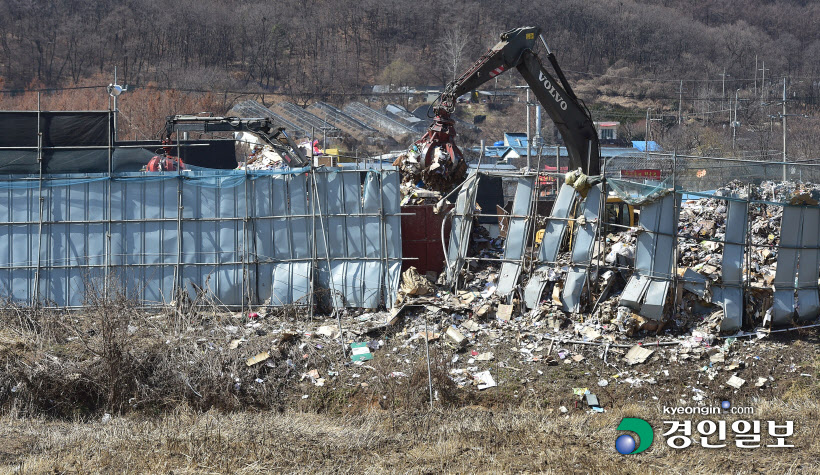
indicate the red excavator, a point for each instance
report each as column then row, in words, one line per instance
column 515, row 50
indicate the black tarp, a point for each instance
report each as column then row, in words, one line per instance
column 59, row 129
column 85, row 136
column 215, row 153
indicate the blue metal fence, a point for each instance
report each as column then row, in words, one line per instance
column 246, row 237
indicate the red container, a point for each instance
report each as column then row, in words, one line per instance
column 421, row 238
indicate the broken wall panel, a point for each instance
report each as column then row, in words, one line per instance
column 517, row 236
column 550, row 244
column 582, row 251
column 648, row 287
column 732, row 273
column 808, row 303
column 784, row 280
column 461, row 228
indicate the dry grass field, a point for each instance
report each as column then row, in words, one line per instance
column 182, row 401
column 466, row 440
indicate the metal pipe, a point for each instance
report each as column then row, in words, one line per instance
column 36, row 297
column 329, row 267
column 427, row 351
column 178, row 269
column 675, row 253
column 383, row 235
column 108, row 250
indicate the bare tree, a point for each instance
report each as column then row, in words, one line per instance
column 451, row 49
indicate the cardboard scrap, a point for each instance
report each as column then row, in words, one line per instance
column 413, row 283
column 735, row 382
column 470, row 326
column 257, row 359
column 484, row 380
column 456, row 336
column 488, row 356
column 330, row 331
column 360, row 352
column 637, row 354
column 504, row 312
column 761, row 382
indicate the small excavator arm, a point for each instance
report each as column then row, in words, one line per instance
column 263, row 128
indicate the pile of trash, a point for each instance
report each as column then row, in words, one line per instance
column 441, row 176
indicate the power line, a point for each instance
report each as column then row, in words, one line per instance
column 49, row 89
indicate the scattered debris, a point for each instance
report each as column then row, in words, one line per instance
column 637, row 354
column 456, row 336
column 484, row 380
column 360, row 352
column 735, row 382
column 257, row 359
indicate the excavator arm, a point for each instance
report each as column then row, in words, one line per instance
column 515, row 50
column 263, row 128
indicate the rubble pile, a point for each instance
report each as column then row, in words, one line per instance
column 262, row 157
column 701, row 230
column 426, row 183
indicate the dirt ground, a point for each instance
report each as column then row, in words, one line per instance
column 224, row 416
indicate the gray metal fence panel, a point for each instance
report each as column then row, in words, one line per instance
column 517, row 236
column 212, row 236
column 808, row 303
column 647, row 288
column 582, row 251
column 462, row 226
column 144, row 235
column 18, row 252
column 732, row 273
column 784, row 280
column 392, row 233
column 73, row 239
column 300, row 238
column 554, row 231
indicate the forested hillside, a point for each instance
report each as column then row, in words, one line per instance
column 622, row 55
column 311, row 46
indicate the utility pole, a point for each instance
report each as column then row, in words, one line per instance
column 784, row 128
column 763, row 82
column 755, row 75
column 734, row 122
column 115, row 106
column 723, row 89
column 680, row 100
column 646, row 136
column 529, row 142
